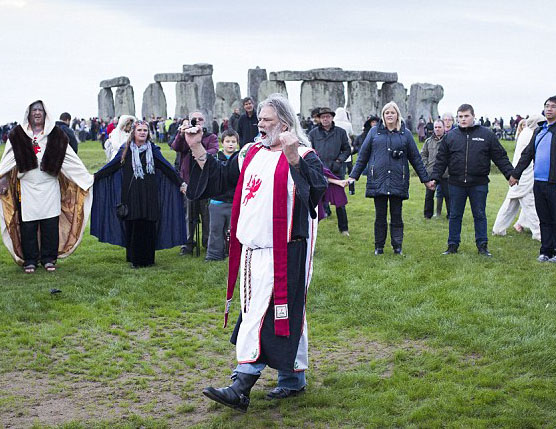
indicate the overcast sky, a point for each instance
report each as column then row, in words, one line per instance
column 490, row 54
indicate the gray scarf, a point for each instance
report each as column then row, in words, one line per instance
column 136, row 161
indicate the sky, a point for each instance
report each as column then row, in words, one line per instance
column 492, row 54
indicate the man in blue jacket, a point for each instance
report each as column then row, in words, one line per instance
column 467, row 152
column 542, row 149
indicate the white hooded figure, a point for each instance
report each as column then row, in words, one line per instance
column 45, row 191
column 521, row 196
column 119, row 136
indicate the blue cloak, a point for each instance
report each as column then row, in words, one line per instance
column 108, row 228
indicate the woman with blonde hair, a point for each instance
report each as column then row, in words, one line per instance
column 387, row 152
column 521, row 196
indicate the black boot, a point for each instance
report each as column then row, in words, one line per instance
column 483, row 250
column 452, row 248
column 235, row 396
column 396, row 237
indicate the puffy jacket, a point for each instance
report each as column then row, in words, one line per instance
column 528, row 154
column 467, row 152
column 332, row 146
column 388, row 175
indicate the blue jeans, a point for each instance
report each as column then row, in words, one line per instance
column 287, row 379
column 477, row 199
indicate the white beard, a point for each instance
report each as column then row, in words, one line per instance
column 272, row 136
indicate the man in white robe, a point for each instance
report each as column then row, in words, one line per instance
column 45, row 192
column 278, row 182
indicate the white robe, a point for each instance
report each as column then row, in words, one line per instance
column 254, row 232
column 520, row 196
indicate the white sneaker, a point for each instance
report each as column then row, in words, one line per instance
column 553, row 259
column 544, row 258
column 346, row 233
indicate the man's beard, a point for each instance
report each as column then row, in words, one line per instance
column 272, row 136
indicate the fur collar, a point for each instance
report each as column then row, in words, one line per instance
column 25, row 158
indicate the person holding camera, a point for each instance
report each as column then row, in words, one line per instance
column 387, row 152
column 196, row 211
column 137, row 201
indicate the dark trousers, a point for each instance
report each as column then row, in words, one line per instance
column 429, row 203
column 141, row 242
column 197, row 211
column 48, row 251
column 396, row 222
column 220, row 216
column 477, row 199
column 545, row 203
column 342, row 218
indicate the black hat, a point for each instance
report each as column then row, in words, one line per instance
column 324, row 110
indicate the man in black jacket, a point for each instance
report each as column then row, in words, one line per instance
column 248, row 124
column 467, row 152
column 63, row 123
column 332, row 145
column 542, row 149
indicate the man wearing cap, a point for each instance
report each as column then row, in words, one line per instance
column 332, row 145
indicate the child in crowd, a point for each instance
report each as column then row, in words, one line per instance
column 220, row 207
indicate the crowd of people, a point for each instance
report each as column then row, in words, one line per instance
column 253, row 190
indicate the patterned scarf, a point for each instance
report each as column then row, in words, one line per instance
column 136, row 161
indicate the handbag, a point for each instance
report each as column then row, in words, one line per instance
column 122, row 209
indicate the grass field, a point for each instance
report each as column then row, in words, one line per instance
column 422, row 340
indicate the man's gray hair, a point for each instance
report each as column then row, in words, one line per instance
column 286, row 115
column 448, row 115
column 196, row 111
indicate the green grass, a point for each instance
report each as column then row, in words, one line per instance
column 422, row 340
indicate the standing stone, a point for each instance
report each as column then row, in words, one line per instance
column 321, row 93
column 124, row 101
column 394, row 92
column 268, row 87
column 362, row 101
column 254, row 78
column 105, row 104
column 202, row 76
column 154, row 101
column 228, row 97
column 424, row 99
column 187, row 98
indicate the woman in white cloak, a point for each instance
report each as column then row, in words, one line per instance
column 119, row 136
column 521, row 195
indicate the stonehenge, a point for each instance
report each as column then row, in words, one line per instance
column 361, row 92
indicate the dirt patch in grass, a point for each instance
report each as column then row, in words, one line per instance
column 28, row 397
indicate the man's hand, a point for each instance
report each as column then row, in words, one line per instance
column 513, row 181
column 351, row 180
column 193, row 136
column 290, row 145
column 431, row 185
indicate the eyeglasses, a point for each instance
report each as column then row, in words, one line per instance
column 199, row 119
column 550, row 106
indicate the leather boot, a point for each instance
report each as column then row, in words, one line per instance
column 236, row 395
column 396, row 236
